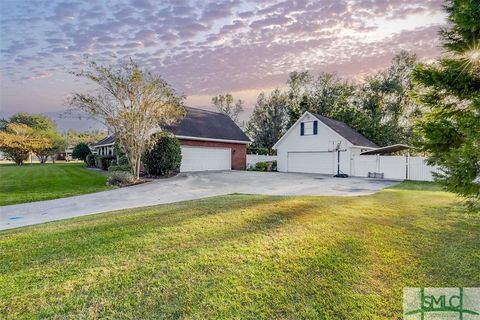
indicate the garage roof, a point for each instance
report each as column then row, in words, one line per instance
column 201, row 123
column 346, row 131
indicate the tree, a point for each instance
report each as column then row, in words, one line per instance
column 329, row 94
column 324, row 95
column 227, row 105
column 89, row 137
column 35, row 121
column 132, row 102
column 385, row 112
column 18, row 140
column 450, row 90
column 268, row 121
column 81, row 151
column 380, row 108
column 298, row 94
column 42, row 127
column 57, row 145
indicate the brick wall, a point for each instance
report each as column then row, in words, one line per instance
column 239, row 151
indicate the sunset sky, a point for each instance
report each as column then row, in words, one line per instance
column 204, row 48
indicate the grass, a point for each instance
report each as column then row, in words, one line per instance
column 27, row 183
column 242, row 257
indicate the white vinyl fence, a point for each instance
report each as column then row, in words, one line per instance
column 393, row 167
column 252, row 159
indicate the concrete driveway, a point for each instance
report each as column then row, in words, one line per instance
column 186, row 186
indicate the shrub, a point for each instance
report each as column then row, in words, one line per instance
column 261, row 166
column 120, row 178
column 274, row 165
column 81, row 151
column 165, row 157
column 103, row 162
column 122, row 160
column 119, row 168
column 90, row 160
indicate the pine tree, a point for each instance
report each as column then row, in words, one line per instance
column 450, row 90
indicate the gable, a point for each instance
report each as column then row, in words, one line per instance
column 332, row 130
column 319, row 137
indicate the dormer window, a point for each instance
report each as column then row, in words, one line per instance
column 308, row 128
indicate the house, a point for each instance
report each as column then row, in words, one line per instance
column 317, row 144
column 104, row 147
column 209, row 141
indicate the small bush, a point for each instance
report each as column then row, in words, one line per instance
column 103, row 162
column 122, row 160
column 274, row 165
column 90, row 160
column 119, row 168
column 165, row 157
column 120, row 178
column 261, row 166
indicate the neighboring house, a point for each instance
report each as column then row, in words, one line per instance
column 209, row 141
column 104, row 147
column 314, row 142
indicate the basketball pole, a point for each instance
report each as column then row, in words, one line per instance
column 339, row 175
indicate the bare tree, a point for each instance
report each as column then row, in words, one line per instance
column 226, row 105
column 134, row 103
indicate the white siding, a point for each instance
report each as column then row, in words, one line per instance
column 294, row 142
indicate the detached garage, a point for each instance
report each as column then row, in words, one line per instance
column 314, row 143
column 209, row 141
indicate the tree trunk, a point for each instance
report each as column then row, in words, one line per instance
column 137, row 177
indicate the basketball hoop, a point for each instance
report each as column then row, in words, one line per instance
column 338, row 146
column 334, row 146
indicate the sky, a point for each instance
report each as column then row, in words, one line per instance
column 203, row 48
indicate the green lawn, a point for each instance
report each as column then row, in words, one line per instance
column 27, row 183
column 242, row 257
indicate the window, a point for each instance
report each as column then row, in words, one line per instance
column 308, row 128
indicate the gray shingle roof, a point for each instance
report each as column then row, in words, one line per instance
column 105, row 141
column 201, row 123
column 346, row 131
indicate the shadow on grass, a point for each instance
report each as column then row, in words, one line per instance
column 232, row 256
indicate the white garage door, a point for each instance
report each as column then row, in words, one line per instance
column 311, row 162
column 202, row 158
